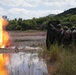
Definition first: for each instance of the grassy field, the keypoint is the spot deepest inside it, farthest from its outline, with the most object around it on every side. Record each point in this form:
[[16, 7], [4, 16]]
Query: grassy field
[[61, 60]]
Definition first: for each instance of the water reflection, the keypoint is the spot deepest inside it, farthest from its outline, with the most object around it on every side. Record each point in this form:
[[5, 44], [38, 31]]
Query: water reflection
[[26, 64], [4, 58]]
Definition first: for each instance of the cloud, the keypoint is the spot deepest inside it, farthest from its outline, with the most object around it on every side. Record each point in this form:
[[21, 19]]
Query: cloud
[[34, 8], [32, 13], [59, 2], [18, 3], [34, 3], [71, 3], [2, 11], [1, 8]]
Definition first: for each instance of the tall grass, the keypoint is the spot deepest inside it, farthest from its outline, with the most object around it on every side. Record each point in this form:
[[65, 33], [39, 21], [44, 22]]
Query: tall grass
[[63, 59], [67, 64]]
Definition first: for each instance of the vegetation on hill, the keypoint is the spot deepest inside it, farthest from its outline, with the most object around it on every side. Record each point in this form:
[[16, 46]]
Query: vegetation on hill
[[67, 18], [70, 11]]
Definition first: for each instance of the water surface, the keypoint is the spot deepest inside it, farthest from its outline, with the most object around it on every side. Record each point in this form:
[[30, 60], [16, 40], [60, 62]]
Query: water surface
[[22, 63]]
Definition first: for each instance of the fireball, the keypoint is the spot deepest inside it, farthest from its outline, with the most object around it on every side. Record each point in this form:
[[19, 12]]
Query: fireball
[[4, 37], [4, 42]]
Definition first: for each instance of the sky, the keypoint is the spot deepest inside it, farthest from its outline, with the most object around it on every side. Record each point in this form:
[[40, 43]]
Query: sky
[[28, 9]]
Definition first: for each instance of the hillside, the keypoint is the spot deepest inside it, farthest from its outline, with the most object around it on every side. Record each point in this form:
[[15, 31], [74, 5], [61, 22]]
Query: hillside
[[67, 18], [69, 11]]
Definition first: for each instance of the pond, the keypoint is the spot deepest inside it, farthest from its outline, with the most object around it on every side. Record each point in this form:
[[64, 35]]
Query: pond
[[22, 63]]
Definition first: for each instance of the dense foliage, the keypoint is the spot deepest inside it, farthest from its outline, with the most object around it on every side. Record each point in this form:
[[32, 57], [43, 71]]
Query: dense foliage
[[67, 18]]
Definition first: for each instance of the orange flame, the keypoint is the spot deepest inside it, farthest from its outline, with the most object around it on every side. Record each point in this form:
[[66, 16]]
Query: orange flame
[[3, 62], [4, 42], [4, 37]]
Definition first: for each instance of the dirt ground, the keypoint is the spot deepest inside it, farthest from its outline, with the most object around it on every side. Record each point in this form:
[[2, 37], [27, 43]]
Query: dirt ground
[[28, 38]]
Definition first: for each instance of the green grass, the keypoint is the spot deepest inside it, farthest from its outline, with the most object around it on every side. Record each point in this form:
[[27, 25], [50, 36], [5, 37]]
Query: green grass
[[63, 59]]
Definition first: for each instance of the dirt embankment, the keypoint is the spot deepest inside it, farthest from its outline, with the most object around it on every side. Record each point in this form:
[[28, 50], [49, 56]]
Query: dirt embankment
[[31, 38]]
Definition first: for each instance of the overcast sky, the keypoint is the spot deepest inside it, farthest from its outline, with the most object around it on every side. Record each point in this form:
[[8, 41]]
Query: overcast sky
[[33, 8]]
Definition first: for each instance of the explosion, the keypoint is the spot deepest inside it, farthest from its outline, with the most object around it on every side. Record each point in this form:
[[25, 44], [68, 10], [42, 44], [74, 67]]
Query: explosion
[[4, 37], [4, 42]]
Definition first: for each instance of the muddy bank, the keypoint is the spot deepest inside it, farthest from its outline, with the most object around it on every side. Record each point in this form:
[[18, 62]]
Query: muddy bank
[[16, 49], [36, 38]]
